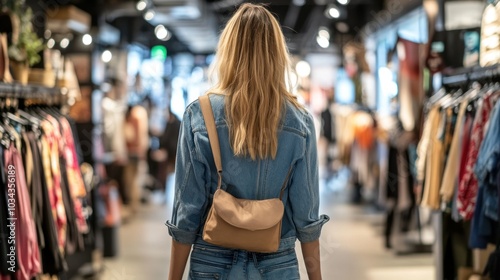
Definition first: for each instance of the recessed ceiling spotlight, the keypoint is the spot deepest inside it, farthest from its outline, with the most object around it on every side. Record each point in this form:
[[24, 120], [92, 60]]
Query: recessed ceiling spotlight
[[162, 33], [323, 42], [343, 2], [47, 34], [64, 43], [87, 39], [324, 32], [149, 15], [51, 43], [106, 56], [141, 5], [332, 11]]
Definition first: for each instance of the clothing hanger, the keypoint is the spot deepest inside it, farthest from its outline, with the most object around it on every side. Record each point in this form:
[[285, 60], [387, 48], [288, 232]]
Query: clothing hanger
[[28, 117], [436, 97]]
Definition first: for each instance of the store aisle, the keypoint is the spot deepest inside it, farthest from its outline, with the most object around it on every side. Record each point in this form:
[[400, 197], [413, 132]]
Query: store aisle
[[352, 246]]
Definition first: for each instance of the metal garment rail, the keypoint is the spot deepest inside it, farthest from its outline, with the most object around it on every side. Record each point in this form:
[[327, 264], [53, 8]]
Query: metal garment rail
[[19, 91], [468, 75]]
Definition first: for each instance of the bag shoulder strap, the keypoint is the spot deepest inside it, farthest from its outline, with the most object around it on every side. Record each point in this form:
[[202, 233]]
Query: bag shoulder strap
[[213, 137]]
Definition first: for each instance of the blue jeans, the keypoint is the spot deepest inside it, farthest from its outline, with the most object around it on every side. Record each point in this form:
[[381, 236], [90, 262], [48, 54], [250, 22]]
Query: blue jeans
[[212, 262]]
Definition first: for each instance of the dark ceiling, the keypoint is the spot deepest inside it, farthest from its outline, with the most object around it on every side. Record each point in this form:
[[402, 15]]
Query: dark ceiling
[[300, 23]]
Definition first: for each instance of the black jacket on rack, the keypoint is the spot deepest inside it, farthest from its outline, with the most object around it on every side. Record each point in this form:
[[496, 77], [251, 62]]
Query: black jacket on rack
[[53, 261]]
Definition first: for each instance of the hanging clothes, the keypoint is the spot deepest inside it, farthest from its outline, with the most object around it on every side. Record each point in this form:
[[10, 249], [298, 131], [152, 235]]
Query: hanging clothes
[[4, 230], [450, 175], [26, 237], [53, 260], [468, 187], [487, 170], [50, 157]]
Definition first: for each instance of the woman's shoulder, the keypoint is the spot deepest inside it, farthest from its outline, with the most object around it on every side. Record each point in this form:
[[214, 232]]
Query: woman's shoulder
[[298, 119], [195, 116]]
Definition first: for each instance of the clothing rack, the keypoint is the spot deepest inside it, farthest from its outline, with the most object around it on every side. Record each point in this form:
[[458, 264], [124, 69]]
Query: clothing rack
[[459, 78], [38, 95], [467, 75], [16, 90], [35, 94]]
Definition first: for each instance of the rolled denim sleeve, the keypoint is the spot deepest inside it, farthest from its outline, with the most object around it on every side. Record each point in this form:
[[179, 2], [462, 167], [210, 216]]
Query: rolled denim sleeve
[[304, 191], [190, 199]]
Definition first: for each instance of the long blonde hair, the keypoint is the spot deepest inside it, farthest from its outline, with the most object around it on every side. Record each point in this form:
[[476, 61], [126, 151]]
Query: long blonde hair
[[251, 65]]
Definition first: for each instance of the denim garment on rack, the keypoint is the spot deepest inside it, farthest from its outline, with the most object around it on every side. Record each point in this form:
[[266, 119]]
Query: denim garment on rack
[[488, 164], [489, 153], [487, 170], [196, 175], [212, 262]]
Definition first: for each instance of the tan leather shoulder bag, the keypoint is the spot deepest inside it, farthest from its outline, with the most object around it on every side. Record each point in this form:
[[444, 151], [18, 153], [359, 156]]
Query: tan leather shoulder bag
[[243, 224]]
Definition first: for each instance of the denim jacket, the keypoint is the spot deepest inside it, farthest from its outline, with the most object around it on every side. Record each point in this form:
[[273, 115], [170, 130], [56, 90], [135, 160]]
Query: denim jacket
[[196, 175]]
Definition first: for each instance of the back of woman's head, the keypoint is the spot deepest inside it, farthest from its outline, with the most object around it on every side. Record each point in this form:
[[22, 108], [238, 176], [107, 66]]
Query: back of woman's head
[[251, 66]]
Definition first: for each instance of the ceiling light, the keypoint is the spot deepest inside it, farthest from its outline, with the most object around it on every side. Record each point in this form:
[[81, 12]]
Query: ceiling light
[[323, 32], [343, 2], [106, 56], [87, 39], [149, 15], [47, 34], [51, 43], [64, 43], [162, 33], [334, 12], [323, 42], [303, 69], [141, 5]]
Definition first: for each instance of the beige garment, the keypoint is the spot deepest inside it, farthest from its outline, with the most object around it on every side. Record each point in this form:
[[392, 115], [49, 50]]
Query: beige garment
[[450, 175], [423, 145], [433, 160], [130, 173]]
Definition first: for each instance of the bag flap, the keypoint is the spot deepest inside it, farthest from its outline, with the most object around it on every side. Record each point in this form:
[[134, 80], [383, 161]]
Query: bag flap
[[248, 214]]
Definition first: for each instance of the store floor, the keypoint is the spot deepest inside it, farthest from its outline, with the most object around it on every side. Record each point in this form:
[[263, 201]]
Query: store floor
[[351, 246]]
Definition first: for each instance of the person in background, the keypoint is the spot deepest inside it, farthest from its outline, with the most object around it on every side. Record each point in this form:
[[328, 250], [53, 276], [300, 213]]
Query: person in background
[[113, 111], [264, 135], [329, 132], [137, 140]]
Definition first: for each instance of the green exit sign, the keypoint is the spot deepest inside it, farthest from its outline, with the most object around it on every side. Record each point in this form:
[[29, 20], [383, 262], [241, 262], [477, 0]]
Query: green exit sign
[[159, 52]]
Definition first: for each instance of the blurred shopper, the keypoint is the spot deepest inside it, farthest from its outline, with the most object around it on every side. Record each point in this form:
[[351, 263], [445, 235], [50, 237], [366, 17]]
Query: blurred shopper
[[329, 133], [264, 134], [114, 109], [168, 146], [137, 140]]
